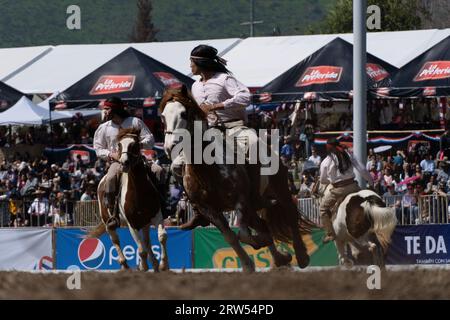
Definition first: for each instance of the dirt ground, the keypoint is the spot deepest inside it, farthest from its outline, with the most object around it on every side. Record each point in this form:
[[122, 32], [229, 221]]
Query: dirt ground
[[277, 284]]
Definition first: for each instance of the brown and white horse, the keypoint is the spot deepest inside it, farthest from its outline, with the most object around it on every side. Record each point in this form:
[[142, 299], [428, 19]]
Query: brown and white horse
[[365, 223], [138, 203], [216, 188]]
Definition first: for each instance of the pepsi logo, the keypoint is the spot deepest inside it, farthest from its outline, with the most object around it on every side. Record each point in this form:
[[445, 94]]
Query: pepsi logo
[[45, 263], [91, 253]]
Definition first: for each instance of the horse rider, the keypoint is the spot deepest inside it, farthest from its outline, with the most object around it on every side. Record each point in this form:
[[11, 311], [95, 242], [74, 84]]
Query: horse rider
[[106, 147], [337, 169], [223, 99]]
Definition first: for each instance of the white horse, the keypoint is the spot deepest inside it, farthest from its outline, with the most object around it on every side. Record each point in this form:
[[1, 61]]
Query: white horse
[[362, 220]]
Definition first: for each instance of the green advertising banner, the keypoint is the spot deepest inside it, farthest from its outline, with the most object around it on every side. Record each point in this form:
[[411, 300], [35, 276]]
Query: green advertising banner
[[212, 251]]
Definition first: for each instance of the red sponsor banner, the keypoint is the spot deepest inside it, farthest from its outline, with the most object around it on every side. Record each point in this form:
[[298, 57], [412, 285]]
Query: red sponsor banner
[[383, 91], [433, 70], [113, 84], [310, 96], [376, 72], [168, 79], [429, 91], [149, 102], [148, 154], [319, 74], [84, 155], [265, 97]]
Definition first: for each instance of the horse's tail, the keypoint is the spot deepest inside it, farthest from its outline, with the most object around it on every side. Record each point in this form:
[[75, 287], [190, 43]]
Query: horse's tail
[[383, 218], [97, 231], [282, 216]]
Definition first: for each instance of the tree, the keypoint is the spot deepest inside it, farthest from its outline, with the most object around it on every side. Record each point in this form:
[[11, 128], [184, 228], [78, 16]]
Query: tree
[[144, 30], [395, 15]]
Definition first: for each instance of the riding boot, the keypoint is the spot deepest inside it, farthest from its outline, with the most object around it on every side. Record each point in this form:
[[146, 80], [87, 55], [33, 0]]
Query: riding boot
[[254, 175], [328, 226], [196, 221], [113, 221]]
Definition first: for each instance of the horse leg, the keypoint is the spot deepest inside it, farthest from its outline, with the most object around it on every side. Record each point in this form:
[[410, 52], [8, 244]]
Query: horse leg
[[343, 259], [280, 259], [221, 223], [162, 237], [115, 240], [147, 244], [246, 217], [143, 254]]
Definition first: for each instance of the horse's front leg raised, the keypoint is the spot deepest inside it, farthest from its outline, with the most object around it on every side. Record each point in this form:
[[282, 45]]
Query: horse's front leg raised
[[221, 223]]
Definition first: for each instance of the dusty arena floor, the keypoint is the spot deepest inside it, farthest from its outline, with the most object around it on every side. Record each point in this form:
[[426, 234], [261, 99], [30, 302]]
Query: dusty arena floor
[[277, 284]]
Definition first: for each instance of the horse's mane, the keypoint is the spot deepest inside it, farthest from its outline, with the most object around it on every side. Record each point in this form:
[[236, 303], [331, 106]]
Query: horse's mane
[[183, 96], [130, 131]]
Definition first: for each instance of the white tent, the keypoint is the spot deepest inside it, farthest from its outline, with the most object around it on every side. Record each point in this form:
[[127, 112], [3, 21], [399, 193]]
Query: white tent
[[66, 64], [257, 61], [67, 114], [25, 112], [15, 60]]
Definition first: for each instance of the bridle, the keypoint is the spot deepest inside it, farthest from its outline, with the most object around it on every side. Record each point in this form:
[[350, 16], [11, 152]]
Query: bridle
[[129, 153]]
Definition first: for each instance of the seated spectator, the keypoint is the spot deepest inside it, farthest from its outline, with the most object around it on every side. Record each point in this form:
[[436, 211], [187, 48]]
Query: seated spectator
[[315, 158], [386, 180], [428, 166], [305, 187], [410, 206]]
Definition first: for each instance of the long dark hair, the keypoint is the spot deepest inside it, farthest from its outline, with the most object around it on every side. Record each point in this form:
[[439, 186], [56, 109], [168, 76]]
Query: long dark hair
[[344, 161], [206, 58]]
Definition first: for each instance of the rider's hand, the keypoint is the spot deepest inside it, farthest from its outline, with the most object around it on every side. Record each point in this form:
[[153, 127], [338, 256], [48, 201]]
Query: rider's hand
[[114, 155], [206, 108]]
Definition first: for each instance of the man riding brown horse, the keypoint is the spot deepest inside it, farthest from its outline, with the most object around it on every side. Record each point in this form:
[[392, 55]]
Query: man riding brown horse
[[106, 147]]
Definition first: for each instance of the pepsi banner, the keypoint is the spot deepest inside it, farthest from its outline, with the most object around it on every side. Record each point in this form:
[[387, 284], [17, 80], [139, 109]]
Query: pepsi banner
[[26, 249], [422, 244], [74, 252]]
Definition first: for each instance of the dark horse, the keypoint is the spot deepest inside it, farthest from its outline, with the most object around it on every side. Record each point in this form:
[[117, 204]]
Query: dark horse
[[216, 188], [139, 204]]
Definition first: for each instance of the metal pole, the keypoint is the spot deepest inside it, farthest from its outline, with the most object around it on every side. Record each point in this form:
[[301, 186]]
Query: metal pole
[[359, 85], [252, 8]]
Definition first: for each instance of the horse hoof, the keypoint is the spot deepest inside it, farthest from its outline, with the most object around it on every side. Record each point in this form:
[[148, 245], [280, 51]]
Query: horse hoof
[[347, 263], [248, 268], [163, 267], [283, 259], [303, 261]]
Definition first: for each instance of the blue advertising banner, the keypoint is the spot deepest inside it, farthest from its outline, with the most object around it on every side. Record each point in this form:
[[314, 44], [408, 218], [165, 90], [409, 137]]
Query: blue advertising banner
[[422, 244], [74, 252]]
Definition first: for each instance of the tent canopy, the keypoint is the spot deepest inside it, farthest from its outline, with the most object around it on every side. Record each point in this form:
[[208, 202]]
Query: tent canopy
[[426, 75], [67, 64], [24, 112], [8, 96], [256, 61], [327, 74], [132, 76]]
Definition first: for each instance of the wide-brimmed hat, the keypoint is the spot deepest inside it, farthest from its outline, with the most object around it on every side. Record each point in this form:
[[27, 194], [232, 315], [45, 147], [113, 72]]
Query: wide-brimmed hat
[[39, 192]]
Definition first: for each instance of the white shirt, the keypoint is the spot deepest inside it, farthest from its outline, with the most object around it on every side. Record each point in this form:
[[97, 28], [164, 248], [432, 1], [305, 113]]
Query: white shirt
[[39, 207], [223, 88], [329, 171], [105, 138], [315, 160]]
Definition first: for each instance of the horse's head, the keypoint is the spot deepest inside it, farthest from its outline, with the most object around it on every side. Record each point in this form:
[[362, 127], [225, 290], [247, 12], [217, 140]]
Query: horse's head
[[129, 148], [178, 111]]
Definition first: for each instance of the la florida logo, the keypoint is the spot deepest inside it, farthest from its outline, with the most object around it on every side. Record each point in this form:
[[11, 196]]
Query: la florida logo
[[376, 72], [433, 70], [113, 84], [319, 74]]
